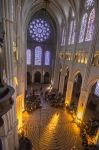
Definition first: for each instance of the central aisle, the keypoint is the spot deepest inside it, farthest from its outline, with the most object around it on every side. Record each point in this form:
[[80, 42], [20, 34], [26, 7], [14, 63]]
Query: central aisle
[[51, 129]]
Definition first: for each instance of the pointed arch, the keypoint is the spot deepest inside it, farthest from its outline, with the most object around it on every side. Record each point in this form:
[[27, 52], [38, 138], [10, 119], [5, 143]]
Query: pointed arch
[[83, 28], [47, 58], [38, 55], [28, 57], [90, 28]]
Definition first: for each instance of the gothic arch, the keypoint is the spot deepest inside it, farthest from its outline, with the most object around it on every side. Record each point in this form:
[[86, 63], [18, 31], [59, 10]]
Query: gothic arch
[[76, 90], [92, 82], [37, 77], [75, 74], [46, 78], [31, 10], [92, 101]]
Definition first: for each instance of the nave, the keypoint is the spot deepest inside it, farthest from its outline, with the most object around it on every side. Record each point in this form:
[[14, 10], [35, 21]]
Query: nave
[[51, 129]]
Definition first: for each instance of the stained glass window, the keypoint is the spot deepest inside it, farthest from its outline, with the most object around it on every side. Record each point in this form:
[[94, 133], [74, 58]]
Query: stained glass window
[[39, 30], [73, 32], [90, 28], [47, 58], [97, 89], [28, 57], [38, 56], [89, 3], [83, 28], [70, 32]]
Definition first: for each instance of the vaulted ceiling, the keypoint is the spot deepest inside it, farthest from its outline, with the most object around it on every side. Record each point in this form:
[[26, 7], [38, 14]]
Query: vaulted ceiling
[[59, 9]]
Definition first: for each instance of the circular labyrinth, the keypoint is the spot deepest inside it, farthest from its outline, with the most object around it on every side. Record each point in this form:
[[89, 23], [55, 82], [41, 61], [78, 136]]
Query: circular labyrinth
[[47, 135]]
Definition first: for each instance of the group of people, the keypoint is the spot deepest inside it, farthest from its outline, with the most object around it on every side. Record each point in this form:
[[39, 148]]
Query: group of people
[[54, 98]]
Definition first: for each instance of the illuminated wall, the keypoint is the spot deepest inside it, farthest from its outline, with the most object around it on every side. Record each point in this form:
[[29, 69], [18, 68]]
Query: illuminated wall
[[19, 102]]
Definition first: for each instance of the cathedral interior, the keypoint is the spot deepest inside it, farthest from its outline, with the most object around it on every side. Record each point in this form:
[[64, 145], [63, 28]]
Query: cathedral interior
[[49, 75]]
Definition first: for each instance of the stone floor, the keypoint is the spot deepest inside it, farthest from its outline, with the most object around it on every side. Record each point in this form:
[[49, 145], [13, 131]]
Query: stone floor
[[51, 129]]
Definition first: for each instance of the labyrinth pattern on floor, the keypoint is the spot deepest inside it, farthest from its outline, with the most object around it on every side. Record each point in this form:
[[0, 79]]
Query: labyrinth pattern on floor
[[51, 129]]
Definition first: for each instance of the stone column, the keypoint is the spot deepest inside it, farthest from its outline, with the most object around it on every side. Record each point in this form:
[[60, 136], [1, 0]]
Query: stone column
[[82, 104], [4, 143], [10, 117], [18, 44], [61, 86], [56, 74], [69, 92]]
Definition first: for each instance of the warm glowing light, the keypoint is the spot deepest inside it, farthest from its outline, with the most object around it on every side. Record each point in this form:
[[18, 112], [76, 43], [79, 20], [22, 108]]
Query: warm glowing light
[[20, 131], [19, 110], [53, 121], [85, 60], [16, 81], [79, 116], [66, 102], [50, 127], [49, 88], [97, 137], [82, 60]]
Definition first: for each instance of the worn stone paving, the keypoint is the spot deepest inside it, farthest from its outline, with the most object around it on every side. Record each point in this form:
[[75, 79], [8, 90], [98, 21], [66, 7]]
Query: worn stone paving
[[51, 129]]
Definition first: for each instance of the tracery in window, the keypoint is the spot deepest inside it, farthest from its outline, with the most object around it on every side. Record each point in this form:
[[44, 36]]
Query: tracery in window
[[97, 89], [83, 28], [28, 57], [39, 30], [70, 32], [89, 3], [47, 58], [38, 56], [73, 32], [90, 28]]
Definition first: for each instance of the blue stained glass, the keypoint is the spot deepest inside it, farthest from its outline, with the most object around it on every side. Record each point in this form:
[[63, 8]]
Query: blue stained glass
[[28, 57], [38, 55], [89, 3], [83, 28], [90, 28], [47, 58], [97, 89], [40, 29]]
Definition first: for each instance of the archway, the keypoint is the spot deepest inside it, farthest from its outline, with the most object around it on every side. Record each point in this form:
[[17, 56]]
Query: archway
[[46, 78], [37, 77], [91, 115], [29, 80], [76, 91], [92, 108], [65, 83]]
